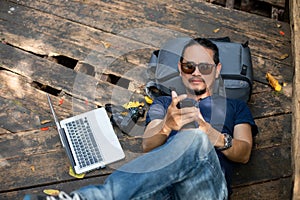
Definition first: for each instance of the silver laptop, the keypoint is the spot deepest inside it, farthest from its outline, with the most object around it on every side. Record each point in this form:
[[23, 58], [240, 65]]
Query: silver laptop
[[89, 139]]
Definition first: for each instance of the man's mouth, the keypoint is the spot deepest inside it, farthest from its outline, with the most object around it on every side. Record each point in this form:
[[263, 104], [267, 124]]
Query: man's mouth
[[196, 81]]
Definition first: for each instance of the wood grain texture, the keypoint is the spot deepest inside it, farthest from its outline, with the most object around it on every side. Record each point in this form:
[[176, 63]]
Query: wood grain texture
[[295, 26]]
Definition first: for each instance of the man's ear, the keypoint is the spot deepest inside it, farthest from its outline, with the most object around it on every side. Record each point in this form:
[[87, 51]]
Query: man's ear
[[218, 70]]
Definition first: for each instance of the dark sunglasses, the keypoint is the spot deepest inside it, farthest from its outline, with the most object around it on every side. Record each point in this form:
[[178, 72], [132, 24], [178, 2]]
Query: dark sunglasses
[[190, 67]]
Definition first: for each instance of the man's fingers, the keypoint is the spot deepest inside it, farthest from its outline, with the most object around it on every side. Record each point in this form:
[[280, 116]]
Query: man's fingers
[[176, 99], [181, 97], [188, 110], [174, 94]]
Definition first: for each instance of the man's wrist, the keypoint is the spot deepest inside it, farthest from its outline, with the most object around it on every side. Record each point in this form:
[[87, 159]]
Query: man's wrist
[[204, 126], [220, 140], [166, 130], [227, 142]]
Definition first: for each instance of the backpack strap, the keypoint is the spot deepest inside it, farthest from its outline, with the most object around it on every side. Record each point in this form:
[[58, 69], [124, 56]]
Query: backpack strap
[[154, 90]]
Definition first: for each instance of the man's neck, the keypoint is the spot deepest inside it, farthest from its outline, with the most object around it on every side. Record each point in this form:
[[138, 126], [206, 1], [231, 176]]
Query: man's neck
[[198, 97]]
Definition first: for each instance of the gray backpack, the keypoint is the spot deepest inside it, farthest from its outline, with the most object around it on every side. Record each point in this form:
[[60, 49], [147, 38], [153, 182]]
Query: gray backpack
[[236, 75]]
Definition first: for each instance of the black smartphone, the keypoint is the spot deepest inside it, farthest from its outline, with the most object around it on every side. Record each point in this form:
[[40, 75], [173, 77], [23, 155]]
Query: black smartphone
[[187, 102]]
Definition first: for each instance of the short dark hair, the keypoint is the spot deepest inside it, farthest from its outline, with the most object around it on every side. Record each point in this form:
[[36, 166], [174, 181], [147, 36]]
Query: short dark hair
[[206, 43]]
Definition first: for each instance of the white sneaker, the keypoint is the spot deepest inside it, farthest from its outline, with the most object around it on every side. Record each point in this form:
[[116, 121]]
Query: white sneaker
[[61, 196]]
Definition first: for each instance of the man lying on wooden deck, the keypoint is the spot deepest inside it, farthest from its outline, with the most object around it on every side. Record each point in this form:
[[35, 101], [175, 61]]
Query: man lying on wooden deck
[[184, 163]]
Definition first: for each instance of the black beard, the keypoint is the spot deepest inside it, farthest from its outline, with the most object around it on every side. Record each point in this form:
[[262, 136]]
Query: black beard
[[196, 92]]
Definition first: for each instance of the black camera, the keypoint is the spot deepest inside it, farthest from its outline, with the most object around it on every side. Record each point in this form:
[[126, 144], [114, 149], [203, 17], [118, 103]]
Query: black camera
[[125, 119]]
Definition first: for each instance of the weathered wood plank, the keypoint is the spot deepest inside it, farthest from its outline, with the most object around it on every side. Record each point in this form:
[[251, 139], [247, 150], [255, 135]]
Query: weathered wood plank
[[269, 103], [183, 20], [165, 14], [278, 3], [4, 131], [273, 131], [65, 186], [61, 78], [168, 12], [39, 157], [19, 96], [17, 117], [105, 62], [283, 72], [275, 189], [68, 80], [114, 23], [67, 31], [27, 154], [264, 165], [101, 63], [87, 45], [28, 145], [131, 64], [68, 41], [25, 106], [295, 27], [36, 169], [260, 87], [157, 11], [122, 67]]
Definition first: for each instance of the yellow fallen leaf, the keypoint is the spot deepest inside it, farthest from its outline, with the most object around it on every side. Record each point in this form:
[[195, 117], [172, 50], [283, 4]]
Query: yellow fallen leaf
[[45, 121], [273, 82], [284, 56], [72, 173], [106, 44], [51, 192], [216, 30], [133, 104], [148, 100]]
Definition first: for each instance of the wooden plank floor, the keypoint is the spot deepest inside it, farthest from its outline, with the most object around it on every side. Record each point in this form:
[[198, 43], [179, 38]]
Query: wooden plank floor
[[89, 53]]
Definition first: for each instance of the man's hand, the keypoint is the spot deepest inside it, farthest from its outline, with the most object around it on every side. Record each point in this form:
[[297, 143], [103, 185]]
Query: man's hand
[[176, 118]]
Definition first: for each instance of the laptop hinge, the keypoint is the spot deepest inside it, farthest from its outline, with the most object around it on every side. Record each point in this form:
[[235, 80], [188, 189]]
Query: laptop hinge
[[67, 146]]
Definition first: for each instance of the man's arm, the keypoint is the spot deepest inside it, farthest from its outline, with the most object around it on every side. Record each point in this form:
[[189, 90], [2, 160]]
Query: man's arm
[[241, 142], [155, 135]]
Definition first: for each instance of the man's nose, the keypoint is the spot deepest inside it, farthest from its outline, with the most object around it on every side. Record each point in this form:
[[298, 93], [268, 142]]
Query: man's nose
[[196, 72]]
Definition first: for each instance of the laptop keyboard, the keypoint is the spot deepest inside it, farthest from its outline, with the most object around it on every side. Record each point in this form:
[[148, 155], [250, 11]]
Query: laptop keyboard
[[84, 142]]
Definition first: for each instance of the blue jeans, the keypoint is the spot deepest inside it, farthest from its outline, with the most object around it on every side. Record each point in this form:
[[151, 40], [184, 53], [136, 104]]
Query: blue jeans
[[186, 167]]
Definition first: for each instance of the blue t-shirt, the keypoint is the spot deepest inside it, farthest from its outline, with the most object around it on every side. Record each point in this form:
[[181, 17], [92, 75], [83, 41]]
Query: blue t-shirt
[[222, 113]]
